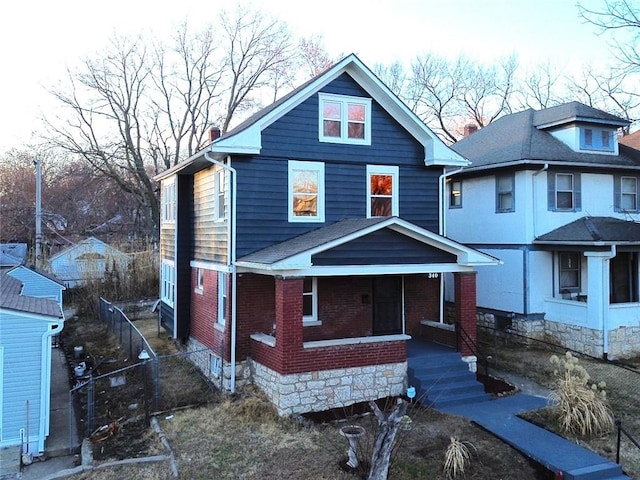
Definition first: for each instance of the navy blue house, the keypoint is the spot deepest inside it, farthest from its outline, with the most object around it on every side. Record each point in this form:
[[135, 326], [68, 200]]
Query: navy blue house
[[302, 247]]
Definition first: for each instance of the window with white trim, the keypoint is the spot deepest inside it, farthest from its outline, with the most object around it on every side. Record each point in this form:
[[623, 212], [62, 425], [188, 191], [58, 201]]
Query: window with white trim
[[626, 193], [222, 298], [344, 119], [564, 192], [382, 191], [455, 194], [199, 280], [168, 282], [306, 191], [504, 193], [220, 193], [310, 300], [169, 200], [569, 272]]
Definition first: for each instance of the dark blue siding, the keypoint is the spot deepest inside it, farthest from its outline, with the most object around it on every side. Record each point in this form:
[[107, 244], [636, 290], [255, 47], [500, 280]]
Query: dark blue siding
[[262, 218], [384, 247], [184, 254]]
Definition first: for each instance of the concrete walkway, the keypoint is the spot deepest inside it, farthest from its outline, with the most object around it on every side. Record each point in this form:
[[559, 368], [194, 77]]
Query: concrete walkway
[[500, 417]]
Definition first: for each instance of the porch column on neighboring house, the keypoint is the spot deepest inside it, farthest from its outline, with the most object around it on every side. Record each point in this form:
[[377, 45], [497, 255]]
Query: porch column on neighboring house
[[289, 294], [465, 308], [598, 294]]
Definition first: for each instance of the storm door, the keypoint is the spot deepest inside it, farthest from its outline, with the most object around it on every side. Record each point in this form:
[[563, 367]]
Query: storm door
[[387, 305], [623, 276]]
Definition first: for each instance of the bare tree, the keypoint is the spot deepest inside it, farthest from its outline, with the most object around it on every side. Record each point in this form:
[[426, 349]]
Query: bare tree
[[540, 87], [141, 107]]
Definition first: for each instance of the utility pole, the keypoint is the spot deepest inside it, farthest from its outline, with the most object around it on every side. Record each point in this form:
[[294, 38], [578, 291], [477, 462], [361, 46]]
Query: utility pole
[[38, 163]]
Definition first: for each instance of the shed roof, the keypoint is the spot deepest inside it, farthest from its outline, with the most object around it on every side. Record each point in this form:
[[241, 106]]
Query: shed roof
[[11, 299], [594, 231]]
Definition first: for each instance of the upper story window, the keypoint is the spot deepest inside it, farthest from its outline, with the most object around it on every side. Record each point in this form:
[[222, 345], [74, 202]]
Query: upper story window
[[306, 191], [344, 119], [382, 191], [168, 273], [564, 191], [597, 139], [220, 186], [169, 200], [625, 193], [455, 194], [505, 187]]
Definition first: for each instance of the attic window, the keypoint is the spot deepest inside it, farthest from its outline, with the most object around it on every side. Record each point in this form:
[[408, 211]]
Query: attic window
[[344, 119], [597, 139]]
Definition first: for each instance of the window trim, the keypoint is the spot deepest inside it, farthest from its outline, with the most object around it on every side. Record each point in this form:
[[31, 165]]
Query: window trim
[[222, 298], [169, 200], [168, 281], [552, 192], [199, 289], [220, 192], [575, 288], [312, 320], [452, 196], [512, 180], [310, 166], [593, 139], [344, 100], [394, 172], [619, 194]]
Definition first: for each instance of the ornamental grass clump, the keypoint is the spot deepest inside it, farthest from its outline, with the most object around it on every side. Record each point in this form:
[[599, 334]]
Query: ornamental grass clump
[[456, 458], [582, 407]]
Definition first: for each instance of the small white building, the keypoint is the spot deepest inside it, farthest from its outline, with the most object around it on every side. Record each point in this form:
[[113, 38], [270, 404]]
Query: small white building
[[27, 325], [87, 260], [554, 195]]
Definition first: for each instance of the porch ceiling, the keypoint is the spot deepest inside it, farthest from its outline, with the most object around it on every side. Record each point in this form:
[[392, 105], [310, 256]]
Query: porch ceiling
[[365, 246]]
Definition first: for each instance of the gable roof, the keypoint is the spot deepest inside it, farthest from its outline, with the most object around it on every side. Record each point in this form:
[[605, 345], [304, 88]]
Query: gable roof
[[246, 138], [88, 245], [594, 231], [12, 254], [521, 139], [11, 299], [33, 271], [296, 253]]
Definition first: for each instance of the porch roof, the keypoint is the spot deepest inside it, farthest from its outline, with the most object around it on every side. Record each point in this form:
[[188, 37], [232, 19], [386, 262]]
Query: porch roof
[[295, 256], [595, 231]]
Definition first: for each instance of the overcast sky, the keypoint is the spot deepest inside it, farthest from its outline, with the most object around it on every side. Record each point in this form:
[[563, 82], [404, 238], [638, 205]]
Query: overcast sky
[[39, 38]]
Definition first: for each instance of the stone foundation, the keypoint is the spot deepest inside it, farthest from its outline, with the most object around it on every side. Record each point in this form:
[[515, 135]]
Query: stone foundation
[[624, 342], [322, 390], [201, 357]]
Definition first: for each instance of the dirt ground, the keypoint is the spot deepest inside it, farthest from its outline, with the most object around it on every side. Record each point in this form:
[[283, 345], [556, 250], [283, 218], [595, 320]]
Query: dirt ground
[[217, 436]]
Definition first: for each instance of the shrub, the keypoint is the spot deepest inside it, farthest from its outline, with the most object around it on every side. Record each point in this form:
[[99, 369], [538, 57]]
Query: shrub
[[456, 458], [582, 407]]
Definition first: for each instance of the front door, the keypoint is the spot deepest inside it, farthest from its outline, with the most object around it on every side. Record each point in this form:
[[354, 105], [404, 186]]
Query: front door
[[387, 305]]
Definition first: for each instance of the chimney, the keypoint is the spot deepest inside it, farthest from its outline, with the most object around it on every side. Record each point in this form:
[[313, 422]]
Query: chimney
[[470, 128], [214, 134]]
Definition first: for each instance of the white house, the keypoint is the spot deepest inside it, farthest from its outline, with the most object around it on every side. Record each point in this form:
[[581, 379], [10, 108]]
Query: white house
[[38, 284], [554, 195], [27, 325], [87, 260]]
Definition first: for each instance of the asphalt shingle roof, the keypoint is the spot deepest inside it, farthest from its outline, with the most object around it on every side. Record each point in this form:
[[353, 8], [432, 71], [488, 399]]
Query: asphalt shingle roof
[[516, 139], [11, 299], [307, 241], [595, 229]]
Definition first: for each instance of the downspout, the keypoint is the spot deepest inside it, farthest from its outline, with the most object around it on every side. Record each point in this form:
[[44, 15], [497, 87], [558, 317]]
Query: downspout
[[606, 303], [442, 229], [231, 260], [45, 383]]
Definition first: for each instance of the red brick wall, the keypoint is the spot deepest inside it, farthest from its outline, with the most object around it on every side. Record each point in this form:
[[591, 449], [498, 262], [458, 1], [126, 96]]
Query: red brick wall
[[255, 310], [422, 301], [204, 313]]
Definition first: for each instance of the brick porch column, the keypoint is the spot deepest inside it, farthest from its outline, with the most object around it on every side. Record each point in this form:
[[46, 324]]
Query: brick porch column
[[289, 292], [465, 308]]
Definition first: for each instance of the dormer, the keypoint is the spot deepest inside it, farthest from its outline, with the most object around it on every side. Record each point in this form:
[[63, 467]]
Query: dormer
[[582, 128]]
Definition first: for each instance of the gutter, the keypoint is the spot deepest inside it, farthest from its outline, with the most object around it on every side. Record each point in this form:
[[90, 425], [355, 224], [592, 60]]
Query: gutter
[[231, 260], [442, 229]]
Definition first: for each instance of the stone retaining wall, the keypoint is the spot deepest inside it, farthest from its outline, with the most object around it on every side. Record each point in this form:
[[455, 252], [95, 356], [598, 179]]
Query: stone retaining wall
[[325, 389], [624, 342]]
